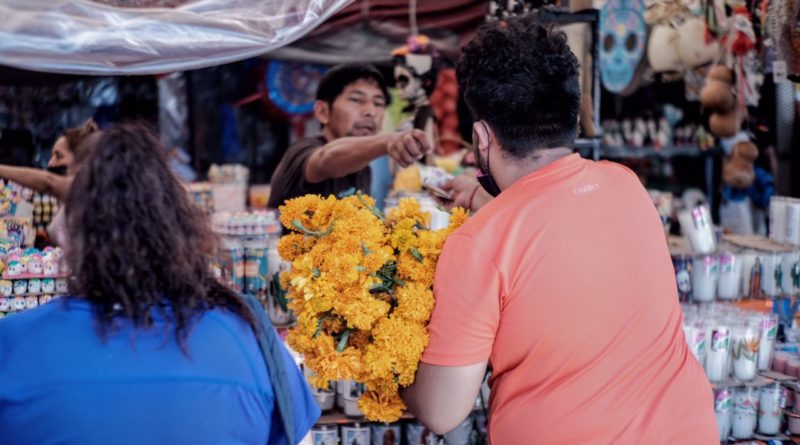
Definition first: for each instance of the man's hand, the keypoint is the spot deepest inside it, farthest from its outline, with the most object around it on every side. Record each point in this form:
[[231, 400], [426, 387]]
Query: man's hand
[[467, 193], [408, 147]]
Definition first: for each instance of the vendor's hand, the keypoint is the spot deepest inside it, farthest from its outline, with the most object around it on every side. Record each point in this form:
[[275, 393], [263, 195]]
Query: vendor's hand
[[466, 193], [408, 147]]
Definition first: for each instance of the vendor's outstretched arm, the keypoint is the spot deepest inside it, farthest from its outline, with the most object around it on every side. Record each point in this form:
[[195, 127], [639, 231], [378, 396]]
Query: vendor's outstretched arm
[[441, 397], [38, 180], [347, 155]]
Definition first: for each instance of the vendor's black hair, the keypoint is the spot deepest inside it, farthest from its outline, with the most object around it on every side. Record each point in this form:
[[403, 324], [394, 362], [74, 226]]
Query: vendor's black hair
[[522, 79], [339, 77]]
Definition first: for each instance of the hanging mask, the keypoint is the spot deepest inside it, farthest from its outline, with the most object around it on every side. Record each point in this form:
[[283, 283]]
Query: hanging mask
[[623, 35]]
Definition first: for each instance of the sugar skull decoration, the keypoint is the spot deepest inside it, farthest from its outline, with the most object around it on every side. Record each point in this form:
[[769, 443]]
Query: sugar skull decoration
[[34, 286], [14, 268], [19, 304], [6, 288], [50, 266], [48, 286], [35, 265], [20, 287], [31, 302], [5, 304], [61, 286], [44, 299], [415, 74], [623, 35]]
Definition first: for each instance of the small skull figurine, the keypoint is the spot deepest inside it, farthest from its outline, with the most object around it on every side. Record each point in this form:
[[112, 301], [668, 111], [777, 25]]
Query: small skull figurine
[[50, 266], [44, 299], [5, 304], [20, 287], [35, 265], [6, 288], [19, 304], [61, 286], [31, 302], [34, 286], [48, 285], [14, 268]]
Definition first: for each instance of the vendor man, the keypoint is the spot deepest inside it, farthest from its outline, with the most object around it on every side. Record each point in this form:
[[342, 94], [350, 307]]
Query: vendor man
[[351, 100]]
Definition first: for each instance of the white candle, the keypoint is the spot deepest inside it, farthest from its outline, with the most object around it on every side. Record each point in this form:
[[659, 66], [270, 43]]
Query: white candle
[[769, 409], [730, 276], [748, 261], [771, 268], [722, 409], [744, 349], [717, 358], [745, 412], [768, 333], [705, 274]]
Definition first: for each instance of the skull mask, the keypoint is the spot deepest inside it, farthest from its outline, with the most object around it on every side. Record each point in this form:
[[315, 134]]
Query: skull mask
[[623, 36]]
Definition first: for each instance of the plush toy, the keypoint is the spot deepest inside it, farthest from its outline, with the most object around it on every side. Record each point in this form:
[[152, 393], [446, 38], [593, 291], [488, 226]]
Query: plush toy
[[738, 168]]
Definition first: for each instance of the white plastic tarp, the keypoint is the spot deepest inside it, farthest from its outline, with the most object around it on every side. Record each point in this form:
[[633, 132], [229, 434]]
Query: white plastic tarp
[[149, 36]]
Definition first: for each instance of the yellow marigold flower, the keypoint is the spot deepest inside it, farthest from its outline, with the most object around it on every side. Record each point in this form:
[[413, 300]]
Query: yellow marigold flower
[[293, 245], [415, 302], [458, 216], [381, 407], [329, 364], [378, 364], [300, 209], [408, 208], [405, 340]]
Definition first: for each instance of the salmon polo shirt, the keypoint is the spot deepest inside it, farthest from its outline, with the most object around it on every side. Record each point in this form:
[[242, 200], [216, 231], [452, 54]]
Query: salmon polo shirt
[[564, 283]]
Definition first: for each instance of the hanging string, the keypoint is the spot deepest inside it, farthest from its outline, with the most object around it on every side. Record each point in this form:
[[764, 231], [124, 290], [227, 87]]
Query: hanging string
[[364, 9], [412, 17]]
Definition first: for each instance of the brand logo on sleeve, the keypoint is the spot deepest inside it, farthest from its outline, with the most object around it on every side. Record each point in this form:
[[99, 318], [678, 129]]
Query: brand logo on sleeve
[[588, 188]]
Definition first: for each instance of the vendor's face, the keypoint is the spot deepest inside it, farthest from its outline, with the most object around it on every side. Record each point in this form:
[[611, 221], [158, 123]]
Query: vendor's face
[[61, 155], [358, 111]]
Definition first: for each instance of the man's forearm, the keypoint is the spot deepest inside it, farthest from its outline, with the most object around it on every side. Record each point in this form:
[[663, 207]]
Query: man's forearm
[[344, 156]]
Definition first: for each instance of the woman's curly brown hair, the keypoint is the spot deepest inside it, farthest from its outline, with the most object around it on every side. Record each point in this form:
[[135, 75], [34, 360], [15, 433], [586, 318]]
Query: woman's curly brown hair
[[136, 242]]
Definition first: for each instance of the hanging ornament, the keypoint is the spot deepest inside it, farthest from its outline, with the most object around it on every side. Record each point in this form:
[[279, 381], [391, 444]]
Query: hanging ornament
[[292, 86], [623, 35]]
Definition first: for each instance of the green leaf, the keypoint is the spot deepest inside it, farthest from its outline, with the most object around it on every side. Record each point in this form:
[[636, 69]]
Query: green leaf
[[375, 211], [279, 292], [415, 253], [361, 269], [343, 341], [365, 249], [315, 272], [297, 224]]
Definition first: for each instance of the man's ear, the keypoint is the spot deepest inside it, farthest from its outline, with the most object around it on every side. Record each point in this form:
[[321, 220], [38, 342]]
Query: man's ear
[[322, 112]]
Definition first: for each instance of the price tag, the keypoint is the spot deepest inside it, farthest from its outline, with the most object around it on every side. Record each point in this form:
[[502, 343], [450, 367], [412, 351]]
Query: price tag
[[780, 72]]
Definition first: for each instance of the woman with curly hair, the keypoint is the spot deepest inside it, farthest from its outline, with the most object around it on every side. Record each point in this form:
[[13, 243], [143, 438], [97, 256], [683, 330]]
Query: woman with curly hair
[[150, 348]]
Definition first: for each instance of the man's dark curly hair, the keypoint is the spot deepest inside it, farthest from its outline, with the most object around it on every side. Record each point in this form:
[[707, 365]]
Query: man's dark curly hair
[[522, 79], [136, 244]]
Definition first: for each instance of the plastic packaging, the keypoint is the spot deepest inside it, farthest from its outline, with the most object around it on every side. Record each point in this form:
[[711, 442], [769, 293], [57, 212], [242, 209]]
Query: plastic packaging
[[150, 36]]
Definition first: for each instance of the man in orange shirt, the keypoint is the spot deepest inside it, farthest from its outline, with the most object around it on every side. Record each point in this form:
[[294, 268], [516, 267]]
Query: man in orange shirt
[[563, 282]]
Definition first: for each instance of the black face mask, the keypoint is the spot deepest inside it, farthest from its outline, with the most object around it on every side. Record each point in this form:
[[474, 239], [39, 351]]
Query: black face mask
[[61, 170], [485, 178]]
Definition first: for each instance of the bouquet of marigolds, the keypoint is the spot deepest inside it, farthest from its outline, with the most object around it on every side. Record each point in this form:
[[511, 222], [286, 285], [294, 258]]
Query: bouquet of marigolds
[[361, 286]]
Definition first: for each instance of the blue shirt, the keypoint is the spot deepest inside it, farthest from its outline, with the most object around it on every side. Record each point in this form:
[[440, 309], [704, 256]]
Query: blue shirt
[[61, 383]]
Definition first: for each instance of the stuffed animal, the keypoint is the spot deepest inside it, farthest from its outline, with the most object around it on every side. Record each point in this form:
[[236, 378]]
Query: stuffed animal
[[738, 168]]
